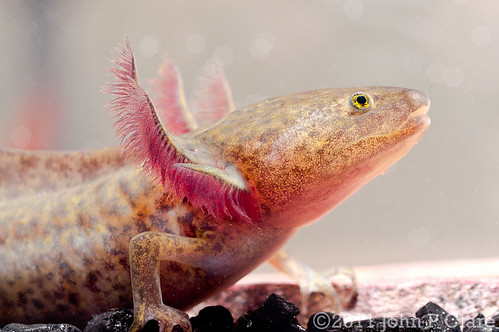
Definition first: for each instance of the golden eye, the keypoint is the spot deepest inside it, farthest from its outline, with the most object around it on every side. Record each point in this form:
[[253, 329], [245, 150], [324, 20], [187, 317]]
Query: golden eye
[[360, 101]]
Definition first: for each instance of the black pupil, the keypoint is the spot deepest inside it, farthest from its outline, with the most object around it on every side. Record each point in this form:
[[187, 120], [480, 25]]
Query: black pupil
[[362, 100]]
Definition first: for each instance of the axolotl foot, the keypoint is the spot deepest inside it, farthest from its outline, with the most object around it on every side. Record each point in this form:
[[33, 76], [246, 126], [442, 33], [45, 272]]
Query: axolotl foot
[[168, 318], [316, 288], [319, 294]]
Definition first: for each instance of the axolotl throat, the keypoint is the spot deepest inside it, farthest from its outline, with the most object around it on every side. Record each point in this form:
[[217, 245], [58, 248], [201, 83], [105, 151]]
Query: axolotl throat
[[215, 194]]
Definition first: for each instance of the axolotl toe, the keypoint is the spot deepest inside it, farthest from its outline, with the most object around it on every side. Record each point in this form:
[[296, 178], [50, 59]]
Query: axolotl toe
[[212, 194]]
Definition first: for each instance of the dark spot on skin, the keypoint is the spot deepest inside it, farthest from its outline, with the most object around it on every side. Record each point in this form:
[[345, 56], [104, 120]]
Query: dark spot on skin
[[64, 170], [8, 303], [49, 163], [125, 299], [301, 149], [49, 276], [85, 261], [164, 202], [82, 220], [270, 132], [59, 293], [73, 299], [67, 271], [88, 169], [119, 287], [125, 192], [140, 224], [108, 266], [113, 229], [186, 218], [21, 299], [62, 308], [94, 163], [27, 162], [37, 304], [126, 228], [113, 252], [39, 282], [217, 247], [91, 281], [174, 267], [156, 222], [124, 262]]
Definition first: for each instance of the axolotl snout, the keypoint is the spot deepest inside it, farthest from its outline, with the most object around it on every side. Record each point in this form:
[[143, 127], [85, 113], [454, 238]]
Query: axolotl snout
[[83, 232]]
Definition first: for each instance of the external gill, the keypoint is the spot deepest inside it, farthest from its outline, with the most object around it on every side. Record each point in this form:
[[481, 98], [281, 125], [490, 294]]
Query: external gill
[[184, 170], [138, 126]]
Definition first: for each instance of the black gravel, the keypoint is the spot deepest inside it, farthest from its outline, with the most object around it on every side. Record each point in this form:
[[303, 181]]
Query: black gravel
[[116, 320], [216, 318], [40, 328], [277, 315]]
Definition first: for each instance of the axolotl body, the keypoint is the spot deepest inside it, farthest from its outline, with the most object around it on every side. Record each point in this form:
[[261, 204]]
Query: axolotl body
[[83, 232]]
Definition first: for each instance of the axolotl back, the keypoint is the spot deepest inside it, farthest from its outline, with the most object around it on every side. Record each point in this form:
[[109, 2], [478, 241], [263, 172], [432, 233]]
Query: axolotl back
[[83, 232]]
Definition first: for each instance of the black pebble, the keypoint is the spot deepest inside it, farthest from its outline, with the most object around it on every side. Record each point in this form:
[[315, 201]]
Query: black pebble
[[15, 327], [274, 315], [496, 320], [215, 318], [114, 320], [435, 318]]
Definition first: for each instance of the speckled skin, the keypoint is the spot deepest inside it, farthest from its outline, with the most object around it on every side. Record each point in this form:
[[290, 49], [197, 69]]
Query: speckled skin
[[64, 250], [67, 220]]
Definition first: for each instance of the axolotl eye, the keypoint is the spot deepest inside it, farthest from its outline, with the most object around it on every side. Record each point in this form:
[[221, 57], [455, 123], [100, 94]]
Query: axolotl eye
[[361, 102]]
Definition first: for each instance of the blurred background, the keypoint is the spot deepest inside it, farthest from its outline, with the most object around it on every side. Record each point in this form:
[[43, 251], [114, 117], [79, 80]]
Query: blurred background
[[440, 202]]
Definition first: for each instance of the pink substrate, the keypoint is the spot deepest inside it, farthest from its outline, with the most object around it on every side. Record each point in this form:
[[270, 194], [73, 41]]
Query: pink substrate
[[462, 288]]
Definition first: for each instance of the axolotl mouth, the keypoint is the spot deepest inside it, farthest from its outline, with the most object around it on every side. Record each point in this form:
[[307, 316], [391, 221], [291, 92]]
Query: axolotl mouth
[[420, 118], [417, 122]]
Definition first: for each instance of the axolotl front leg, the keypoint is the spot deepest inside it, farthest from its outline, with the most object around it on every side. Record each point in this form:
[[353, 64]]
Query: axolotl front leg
[[214, 261], [147, 250]]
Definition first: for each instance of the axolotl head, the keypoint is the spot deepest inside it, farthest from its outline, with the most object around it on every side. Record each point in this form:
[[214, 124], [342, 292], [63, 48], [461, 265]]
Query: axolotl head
[[285, 161], [301, 155]]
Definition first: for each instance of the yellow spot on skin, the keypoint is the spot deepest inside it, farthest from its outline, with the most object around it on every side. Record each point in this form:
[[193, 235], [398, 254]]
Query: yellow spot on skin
[[101, 228]]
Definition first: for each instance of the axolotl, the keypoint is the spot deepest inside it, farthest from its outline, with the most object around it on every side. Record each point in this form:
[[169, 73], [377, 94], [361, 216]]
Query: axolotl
[[203, 204]]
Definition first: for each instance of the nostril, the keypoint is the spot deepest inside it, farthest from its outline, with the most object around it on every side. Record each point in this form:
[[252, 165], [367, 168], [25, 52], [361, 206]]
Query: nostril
[[420, 101], [419, 97], [416, 95]]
